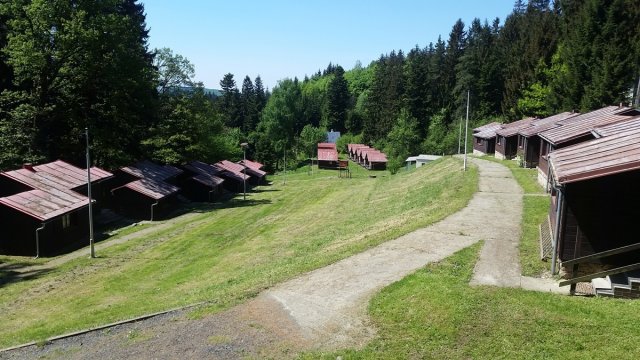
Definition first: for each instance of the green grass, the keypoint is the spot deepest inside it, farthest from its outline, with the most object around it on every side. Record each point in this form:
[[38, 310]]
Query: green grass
[[435, 314], [535, 210], [527, 178], [232, 252]]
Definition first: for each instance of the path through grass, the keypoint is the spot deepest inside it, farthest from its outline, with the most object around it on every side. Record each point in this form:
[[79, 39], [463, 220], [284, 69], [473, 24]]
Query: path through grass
[[535, 209], [435, 314], [233, 252]]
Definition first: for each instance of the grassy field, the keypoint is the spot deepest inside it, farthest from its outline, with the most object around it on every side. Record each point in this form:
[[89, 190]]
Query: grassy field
[[232, 251], [535, 209], [435, 314]]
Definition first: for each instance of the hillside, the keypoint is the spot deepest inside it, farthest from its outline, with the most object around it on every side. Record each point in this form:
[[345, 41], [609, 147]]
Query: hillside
[[234, 250]]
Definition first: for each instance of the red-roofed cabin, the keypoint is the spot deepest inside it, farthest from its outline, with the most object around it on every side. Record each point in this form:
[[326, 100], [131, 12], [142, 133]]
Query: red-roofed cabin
[[595, 197], [375, 160], [42, 211], [146, 190], [253, 169], [202, 182], [529, 141], [232, 173], [327, 156]]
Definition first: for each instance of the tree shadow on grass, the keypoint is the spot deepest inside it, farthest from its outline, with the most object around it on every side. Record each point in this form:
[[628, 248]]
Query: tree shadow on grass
[[13, 272]]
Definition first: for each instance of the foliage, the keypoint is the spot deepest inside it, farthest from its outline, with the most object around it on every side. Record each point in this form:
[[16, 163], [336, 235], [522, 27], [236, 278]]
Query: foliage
[[309, 138], [441, 138], [403, 141], [174, 71], [346, 139]]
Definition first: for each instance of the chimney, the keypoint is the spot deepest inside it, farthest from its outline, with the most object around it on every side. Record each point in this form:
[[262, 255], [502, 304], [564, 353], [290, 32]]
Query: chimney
[[28, 166]]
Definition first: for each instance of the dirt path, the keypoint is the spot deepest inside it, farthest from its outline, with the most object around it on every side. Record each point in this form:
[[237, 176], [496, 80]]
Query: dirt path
[[326, 308]]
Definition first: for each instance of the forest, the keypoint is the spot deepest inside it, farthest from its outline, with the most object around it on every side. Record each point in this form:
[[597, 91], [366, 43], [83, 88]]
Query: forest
[[70, 65]]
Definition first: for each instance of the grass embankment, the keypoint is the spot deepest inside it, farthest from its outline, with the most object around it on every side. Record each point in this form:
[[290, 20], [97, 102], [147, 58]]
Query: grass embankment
[[535, 209], [236, 250], [435, 314]]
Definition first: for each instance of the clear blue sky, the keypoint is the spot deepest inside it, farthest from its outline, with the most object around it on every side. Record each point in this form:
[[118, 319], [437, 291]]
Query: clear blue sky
[[285, 38]]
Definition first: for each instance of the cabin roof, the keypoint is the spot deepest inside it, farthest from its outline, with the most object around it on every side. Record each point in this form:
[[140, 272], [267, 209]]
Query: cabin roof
[[327, 155], [146, 169], [512, 128], [490, 126], [251, 164], [609, 155], [547, 123], [151, 188], [582, 124], [45, 205]]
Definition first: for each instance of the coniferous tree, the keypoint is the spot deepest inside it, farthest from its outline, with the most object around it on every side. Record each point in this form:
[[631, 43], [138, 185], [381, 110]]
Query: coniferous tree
[[249, 110], [230, 102], [337, 100]]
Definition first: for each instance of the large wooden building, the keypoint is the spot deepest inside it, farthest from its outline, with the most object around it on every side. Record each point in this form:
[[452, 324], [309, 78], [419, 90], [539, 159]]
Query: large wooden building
[[595, 199], [43, 208]]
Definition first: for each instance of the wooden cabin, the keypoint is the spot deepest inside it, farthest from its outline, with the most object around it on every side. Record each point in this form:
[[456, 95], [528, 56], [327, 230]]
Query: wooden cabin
[[327, 156], [201, 182], [576, 130], [484, 139], [507, 141], [146, 190], [42, 209], [235, 179], [529, 141], [352, 149], [594, 206], [254, 169], [375, 160]]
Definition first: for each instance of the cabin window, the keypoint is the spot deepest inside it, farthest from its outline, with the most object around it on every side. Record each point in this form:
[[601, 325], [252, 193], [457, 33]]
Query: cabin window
[[478, 141], [66, 221], [499, 141], [545, 149], [520, 141]]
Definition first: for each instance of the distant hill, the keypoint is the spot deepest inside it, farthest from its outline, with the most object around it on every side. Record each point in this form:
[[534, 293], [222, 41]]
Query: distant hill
[[208, 92]]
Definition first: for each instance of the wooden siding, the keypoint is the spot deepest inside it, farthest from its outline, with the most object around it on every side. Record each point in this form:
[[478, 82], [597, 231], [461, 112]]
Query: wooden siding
[[601, 214]]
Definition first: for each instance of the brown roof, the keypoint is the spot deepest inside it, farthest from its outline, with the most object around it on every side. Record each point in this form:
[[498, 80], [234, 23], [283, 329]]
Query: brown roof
[[512, 129], [151, 188], [486, 134], [251, 164], [45, 205], [148, 170], [52, 193], [232, 170], [490, 126], [595, 158], [575, 129], [206, 174], [617, 128], [547, 123]]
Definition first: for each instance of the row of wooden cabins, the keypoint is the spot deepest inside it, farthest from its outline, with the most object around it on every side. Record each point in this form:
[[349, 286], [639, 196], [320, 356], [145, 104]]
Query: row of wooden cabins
[[590, 163], [367, 157], [43, 208]]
